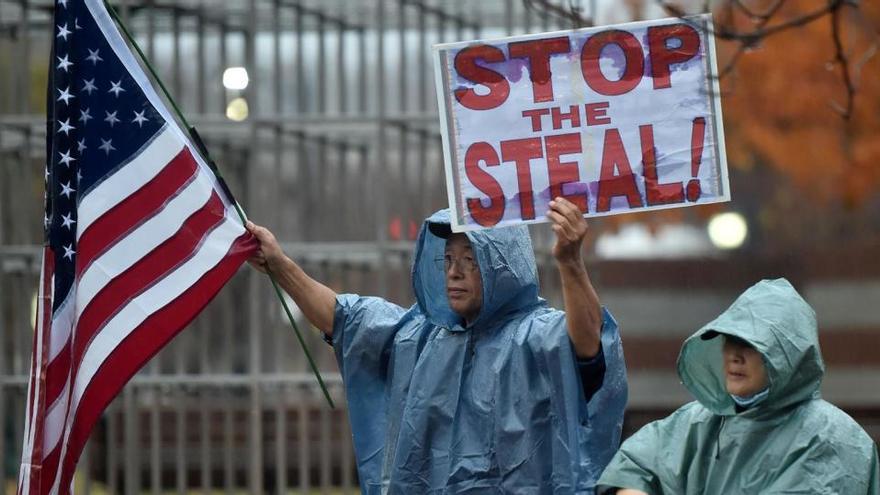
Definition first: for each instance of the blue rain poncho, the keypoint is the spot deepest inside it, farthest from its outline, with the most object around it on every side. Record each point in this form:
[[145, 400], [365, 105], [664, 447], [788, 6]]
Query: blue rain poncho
[[790, 442], [497, 407]]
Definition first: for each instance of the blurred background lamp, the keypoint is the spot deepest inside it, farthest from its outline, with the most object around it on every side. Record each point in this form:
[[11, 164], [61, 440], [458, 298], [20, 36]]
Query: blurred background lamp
[[237, 110], [728, 230], [235, 78]]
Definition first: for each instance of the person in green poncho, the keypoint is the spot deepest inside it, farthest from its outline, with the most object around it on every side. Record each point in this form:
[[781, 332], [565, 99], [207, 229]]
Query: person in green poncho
[[759, 425]]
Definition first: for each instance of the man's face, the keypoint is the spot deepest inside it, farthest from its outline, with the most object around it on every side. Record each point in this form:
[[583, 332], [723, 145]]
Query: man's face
[[464, 287], [744, 370]]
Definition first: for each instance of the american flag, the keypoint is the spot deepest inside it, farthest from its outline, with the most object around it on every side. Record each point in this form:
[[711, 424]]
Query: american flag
[[139, 237]]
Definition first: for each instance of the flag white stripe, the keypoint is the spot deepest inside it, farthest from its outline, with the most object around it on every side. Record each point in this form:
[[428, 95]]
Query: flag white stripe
[[128, 179], [209, 254], [62, 324], [54, 426], [146, 237]]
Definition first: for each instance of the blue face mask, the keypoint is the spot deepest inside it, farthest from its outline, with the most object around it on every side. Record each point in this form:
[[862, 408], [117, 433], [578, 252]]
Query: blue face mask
[[747, 402]]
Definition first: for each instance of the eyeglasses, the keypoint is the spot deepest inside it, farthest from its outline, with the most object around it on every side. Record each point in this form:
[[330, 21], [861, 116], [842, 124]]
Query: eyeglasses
[[466, 264]]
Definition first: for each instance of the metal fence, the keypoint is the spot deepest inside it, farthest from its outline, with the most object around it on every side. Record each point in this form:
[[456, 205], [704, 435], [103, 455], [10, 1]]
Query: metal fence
[[339, 154]]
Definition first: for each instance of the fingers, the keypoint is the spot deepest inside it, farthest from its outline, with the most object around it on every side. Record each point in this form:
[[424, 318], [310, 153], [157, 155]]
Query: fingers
[[567, 209], [567, 216], [562, 226], [260, 265], [261, 233], [269, 254]]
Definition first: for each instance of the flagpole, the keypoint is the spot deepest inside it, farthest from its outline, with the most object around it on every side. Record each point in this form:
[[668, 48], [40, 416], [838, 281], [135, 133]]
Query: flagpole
[[203, 151]]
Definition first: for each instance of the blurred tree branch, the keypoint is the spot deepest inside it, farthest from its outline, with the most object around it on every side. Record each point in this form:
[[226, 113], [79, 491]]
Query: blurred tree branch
[[760, 18], [747, 39]]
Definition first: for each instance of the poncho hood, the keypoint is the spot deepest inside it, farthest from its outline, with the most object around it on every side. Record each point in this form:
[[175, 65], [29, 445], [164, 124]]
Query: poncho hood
[[775, 320], [507, 267]]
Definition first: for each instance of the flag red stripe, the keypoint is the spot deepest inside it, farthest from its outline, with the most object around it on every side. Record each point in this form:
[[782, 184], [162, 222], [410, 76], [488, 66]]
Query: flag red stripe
[[142, 344], [145, 272], [134, 209], [49, 469], [57, 374]]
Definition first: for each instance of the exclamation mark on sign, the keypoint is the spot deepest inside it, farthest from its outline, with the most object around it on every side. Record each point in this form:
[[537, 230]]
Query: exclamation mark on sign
[[693, 187]]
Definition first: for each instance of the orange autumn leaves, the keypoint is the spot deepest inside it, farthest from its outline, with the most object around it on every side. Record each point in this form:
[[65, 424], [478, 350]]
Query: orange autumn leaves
[[779, 103]]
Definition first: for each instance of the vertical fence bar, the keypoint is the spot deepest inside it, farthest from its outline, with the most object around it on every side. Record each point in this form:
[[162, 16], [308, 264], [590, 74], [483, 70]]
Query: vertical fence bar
[[130, 441], [22, 93], [423, 58], [362, 70], [345, 210], [381, 153], [279, 330], [205, 418], [304, 441], [300, 64], [277, 96], [155, 437], [177, 79], [5, 391], [347, 453], [206, 405], [151, 30], [324, 232], [341, 78], [85, 466], [224, 53], [180, 439], [112, 443], [321, 63], [401, 70], [326, 443], [202, 90], [228, 439], [403, 155]]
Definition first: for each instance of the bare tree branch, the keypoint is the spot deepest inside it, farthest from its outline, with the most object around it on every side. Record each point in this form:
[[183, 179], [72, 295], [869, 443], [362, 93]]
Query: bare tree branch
[[572, 13], [841, 59]]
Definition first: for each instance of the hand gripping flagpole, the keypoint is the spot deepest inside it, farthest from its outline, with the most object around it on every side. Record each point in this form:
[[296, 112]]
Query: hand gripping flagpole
[[203, 150]]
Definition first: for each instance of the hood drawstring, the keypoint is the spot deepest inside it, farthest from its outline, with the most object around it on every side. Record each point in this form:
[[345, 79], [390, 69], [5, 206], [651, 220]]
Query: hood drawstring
[[718, 439]]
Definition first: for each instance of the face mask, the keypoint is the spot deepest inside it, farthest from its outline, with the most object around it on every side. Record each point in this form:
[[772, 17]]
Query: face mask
[[747, 402]]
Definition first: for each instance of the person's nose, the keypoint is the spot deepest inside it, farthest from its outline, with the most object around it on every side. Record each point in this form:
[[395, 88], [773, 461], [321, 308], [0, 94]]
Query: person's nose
[[733, 356], [454, 271]]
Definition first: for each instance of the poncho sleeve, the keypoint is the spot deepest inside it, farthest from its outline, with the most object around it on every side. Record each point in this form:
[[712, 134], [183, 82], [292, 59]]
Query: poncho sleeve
[[363, 332], [363, 336], [592, 426], [633, 466]]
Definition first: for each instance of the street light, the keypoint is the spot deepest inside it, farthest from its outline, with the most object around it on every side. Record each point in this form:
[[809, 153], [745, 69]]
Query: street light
[[728, 230], [235, 78]]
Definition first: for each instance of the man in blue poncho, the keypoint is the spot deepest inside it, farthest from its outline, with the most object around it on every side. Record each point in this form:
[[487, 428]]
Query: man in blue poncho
[[479, 387]]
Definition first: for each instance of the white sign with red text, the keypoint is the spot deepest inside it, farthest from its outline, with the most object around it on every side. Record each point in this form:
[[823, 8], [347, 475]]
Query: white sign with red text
[[615, 119]]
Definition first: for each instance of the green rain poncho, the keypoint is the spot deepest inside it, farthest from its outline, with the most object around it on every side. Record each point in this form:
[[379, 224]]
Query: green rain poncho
[[792, 442]]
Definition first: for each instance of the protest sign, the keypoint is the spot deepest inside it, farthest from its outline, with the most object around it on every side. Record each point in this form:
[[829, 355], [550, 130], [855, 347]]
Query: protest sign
[[615, 119]]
